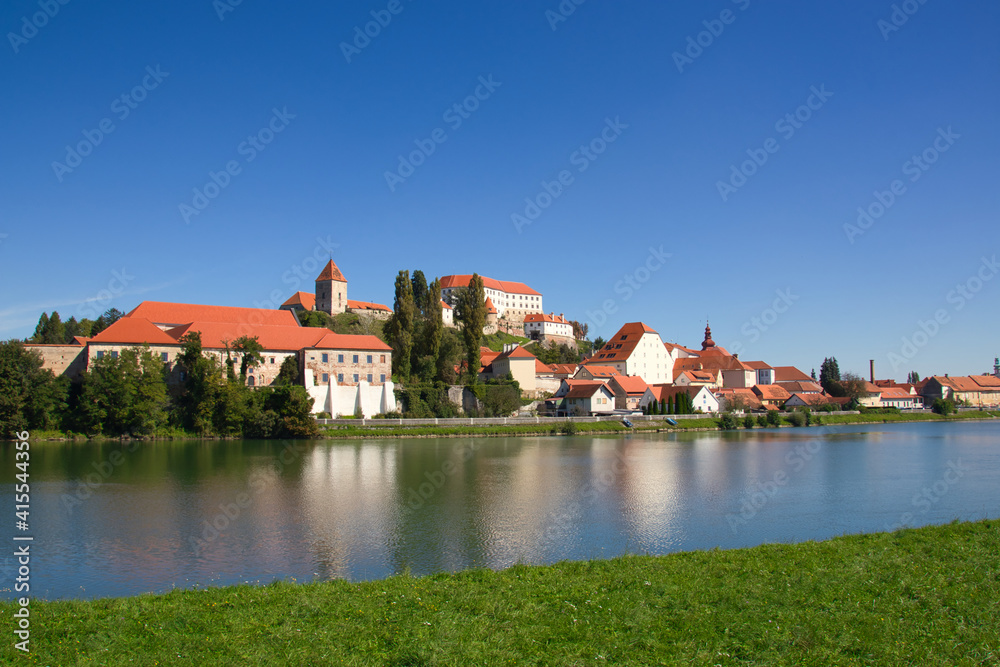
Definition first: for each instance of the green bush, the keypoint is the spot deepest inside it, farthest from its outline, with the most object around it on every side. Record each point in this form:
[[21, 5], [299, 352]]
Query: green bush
[[762, 420], [727, 422], [773, 418], [943, 407], [748, 421], [797, 419]]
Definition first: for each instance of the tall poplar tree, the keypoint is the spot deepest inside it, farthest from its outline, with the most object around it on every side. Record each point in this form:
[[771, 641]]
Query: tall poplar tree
[[399, 327], [470, 310]]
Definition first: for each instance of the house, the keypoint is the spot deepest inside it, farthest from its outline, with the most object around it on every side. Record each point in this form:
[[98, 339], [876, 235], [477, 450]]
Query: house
[[324, 359], [519, 363], [701, 397], [636, 349], [798, 387], [976, 390], [564, 371], [546, 381], [585, 397], [727, 369], [628, 391], [331, 297], [511, 300], [807, 400], [790, 374], [765, 373], [595, 372], [871, 396], [539, 326], [699, 378], [897, 397], [737, 399], [447, 314], [771, 395]]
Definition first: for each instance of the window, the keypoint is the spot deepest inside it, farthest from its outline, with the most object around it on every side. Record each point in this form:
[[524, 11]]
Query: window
[[355, 358], [369, 358], [183, 376], [326, 377], [114, 354], [340, 358], [355, 377], [382, 380], [250, 381], [100, 354], [382, 360], [164, 357], [326, 357], [369, 378], [340, 377], [272, 360]]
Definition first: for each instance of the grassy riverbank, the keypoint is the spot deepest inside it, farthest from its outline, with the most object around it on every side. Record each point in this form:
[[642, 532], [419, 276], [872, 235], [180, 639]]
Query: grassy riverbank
[[928, 596]]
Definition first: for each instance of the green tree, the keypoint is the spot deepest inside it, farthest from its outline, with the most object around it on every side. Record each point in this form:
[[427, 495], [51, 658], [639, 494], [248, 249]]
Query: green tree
[[420, 291], [599, 343], [913, 377], [248, 349], [829, 376], [40, 329], [55, 334], [124, 395], [30, 396], [428, 345], [470, 311], [853, 386], [288, 374], [399, 327]]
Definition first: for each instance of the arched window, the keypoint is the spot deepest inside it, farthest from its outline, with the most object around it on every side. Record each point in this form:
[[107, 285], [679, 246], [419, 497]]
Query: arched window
[[251, 380]]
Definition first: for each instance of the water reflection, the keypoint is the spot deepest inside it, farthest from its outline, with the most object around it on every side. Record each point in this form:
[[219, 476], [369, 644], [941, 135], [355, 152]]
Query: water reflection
[[117, 520]]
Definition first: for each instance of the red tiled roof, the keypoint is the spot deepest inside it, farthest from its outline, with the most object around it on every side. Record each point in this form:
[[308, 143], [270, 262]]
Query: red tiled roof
[[813, 399], [564, 369], [663, 391], [331, 272], [215, 335], [695, 376], [134, 331], [802, 387], [790, 374], [542, 317], [489, 283], [710, 363], [306, 300], [771, 392], [757, 365], [630, 384], [516, 353], [490, 308], [445, 306], [895, 392], [173, 314], [367, 305], [543, 369], [583, 389], [336, 341], [749, 398], [601, 371], [986, 381], [620, 346]]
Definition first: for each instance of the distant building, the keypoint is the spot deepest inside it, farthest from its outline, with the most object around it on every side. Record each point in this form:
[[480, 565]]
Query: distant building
[[637, 349], [539, 326], [511, 300], [331, 297]]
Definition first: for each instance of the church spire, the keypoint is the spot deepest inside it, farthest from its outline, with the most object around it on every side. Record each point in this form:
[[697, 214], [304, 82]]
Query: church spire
[[708, 342]]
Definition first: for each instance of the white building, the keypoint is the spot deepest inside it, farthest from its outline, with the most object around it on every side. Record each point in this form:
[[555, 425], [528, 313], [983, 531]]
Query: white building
[[512, 300], [637, 350], [539, 325]]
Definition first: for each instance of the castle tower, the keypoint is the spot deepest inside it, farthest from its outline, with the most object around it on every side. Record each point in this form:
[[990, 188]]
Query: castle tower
[[331, 290]]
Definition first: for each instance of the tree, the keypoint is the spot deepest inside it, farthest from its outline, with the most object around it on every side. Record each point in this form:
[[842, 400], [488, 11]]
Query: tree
[[470, 311], [853, 386], [30, 396], [599, 343], [124, 395], [427, 348], [40, 329], [913, 377], [55, 333], [580, 330], [399, 328], [248, 350], [288, 374], [829, 377], [110, 316], [420, 290]]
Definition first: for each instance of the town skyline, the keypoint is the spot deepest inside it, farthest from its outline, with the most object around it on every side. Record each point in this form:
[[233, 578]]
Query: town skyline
[[813, 181]]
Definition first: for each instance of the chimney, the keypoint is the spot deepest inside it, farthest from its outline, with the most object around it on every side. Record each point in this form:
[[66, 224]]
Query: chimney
[[871, 370]]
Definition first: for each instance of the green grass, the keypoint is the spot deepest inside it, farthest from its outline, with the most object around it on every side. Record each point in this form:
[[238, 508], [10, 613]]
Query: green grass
[[496, 341], [929, 596]]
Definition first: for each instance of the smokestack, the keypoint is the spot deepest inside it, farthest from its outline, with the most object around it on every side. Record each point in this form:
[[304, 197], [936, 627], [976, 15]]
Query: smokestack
[[871, 370]]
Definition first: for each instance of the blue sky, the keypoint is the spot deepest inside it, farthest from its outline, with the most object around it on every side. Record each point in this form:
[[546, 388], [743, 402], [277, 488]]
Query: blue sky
[[641, 136]]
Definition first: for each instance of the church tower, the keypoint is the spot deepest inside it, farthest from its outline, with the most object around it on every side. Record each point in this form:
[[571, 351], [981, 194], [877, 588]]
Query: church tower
[[331, 290]]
